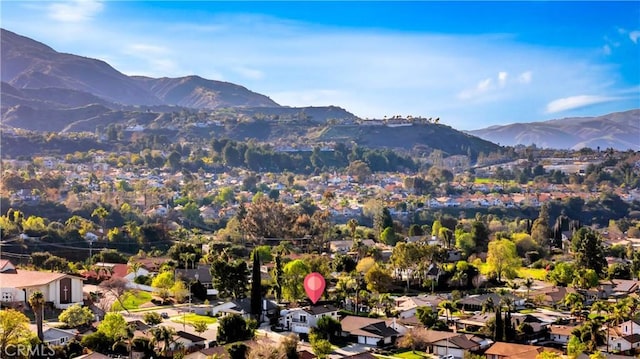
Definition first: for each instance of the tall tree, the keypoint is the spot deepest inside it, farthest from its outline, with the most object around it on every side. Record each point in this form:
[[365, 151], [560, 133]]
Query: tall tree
[[503, 258], [480, 236], [589, 250], [540, 228], [256, 288], [498, 334], [102, 215], [230, 279], [278, 274], [36, 301]]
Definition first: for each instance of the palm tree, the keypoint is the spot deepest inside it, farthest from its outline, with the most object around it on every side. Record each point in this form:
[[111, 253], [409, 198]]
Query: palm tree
[[163, 334], [573, 301], [488, 305], [528, 283], [353, 225], [102, 215], [135, 267], [446, 307], [36, 301]]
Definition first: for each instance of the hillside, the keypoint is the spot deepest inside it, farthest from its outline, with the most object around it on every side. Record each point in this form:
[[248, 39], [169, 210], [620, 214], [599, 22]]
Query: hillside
[[620, 130], [44, 90]]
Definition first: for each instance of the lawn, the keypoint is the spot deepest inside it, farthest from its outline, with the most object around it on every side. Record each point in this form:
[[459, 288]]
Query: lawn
[[192, 318], [523, 272], [132, 300], [533, 273], [412, 355]]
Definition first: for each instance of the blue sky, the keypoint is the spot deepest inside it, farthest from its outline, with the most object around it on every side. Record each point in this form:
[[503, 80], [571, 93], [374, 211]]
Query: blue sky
[[473, 64]]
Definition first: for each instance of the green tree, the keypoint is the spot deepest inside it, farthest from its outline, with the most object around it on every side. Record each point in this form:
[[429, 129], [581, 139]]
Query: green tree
[[256, 288], [589, 250], [230, 278], [14, 329], [480, 235], [378, 280], [152, 318], [562, 274], [200, 326], [321, 347], [102, 215], [540, 229], [427, 316], [388, 236], [328, 328], [75, 316], [502, 259], [237, 351], [113, 326], [293, 278], [233, 328]]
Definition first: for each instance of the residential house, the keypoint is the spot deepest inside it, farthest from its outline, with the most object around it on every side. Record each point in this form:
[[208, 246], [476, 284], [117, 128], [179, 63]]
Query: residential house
[[475, 302], [455, 344], [370, 331], [203, 275], [243, 307], [189, 341], [60, 289], [550, 296], [301, 320], [625, 337], [560, 333], [618, 288], [500, 350], [407, 307], [55, 336]]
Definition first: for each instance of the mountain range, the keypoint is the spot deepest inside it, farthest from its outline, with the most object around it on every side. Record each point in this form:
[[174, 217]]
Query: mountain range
[[45, 90], [620, 130]]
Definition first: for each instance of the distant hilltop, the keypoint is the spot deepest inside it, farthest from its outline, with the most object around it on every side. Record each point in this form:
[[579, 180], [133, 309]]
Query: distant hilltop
[[619, 130]]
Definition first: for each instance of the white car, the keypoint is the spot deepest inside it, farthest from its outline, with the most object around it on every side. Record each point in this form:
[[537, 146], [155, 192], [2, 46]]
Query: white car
[[448, 356]]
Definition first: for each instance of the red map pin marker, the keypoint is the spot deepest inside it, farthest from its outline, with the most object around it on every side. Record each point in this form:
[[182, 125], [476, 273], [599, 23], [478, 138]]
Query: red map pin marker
[[314, 286]]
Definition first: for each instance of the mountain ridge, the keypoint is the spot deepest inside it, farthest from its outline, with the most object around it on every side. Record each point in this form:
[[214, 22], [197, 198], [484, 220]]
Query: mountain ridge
[[618, 130]]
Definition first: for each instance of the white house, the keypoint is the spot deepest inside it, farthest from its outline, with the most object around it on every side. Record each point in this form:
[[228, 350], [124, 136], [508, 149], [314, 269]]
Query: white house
[[301, 320], [626, 336], [560, 333], [16, 285]]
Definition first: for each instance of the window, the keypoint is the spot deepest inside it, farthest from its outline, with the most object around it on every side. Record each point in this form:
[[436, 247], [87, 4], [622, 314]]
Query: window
[[303, 318]]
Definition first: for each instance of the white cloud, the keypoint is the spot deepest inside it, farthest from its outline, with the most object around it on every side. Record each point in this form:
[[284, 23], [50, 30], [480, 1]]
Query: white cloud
[[502, 78], [74, 11], [634, 36], [525, 77], [606, 49], [249, 73], [134, 49], [575, 102], [489, 86]]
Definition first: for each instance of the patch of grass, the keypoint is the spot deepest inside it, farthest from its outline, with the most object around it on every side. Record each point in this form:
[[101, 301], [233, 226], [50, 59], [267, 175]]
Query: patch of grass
[[533, 273], [192, 318], [527, 311], [412, 355], [132, 300], [483, 180]]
